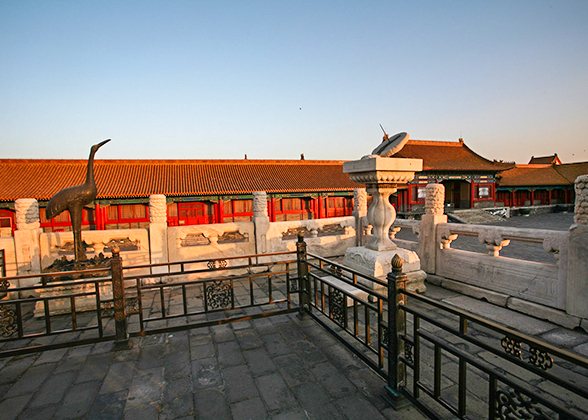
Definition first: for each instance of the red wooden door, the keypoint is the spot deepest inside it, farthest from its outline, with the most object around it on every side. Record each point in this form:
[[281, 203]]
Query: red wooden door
[[194, 214]]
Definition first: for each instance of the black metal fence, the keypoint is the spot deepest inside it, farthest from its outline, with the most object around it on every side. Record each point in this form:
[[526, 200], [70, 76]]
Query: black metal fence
[[445, 360], [52, 314], [184, 294], [452, 361], [120, 303]]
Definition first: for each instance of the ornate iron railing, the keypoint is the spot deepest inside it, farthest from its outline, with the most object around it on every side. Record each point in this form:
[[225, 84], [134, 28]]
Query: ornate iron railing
[[442, 359], [74, 310], [182, 294], [522, 377], [121, 304], [347, 303]]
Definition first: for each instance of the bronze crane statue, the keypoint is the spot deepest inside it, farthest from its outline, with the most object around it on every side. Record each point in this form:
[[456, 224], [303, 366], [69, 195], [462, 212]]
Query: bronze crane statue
[[74, 199]]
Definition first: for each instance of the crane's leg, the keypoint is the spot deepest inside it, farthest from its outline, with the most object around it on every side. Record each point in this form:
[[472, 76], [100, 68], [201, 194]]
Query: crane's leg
[[75, 214]]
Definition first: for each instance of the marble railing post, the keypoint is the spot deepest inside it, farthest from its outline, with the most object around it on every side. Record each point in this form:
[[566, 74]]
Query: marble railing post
[[26, 239], [577, 278], [434, 205], [359, 212], [158, 232], [260, 221]]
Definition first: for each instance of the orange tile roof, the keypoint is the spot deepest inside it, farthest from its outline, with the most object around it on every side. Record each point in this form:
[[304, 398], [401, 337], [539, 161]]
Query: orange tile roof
[[449, 156], [41, 179], [531, 175], [544, 160], [571, 171]]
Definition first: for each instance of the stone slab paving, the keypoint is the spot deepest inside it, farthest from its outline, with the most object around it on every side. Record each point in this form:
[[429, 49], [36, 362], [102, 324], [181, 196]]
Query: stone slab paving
[[278, 368], [272, 368]]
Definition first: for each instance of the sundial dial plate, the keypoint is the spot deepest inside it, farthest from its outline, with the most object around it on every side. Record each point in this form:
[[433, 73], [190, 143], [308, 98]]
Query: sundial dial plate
[[392, 145]]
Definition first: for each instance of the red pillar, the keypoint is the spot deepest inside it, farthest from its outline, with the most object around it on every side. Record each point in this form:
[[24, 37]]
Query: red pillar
[[532, 197], [472, 194], [408, 197], [97, 217], [320, 207], [220, 211]]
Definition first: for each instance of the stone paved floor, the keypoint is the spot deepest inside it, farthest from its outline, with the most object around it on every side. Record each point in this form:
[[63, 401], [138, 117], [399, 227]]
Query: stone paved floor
[[278, 368]]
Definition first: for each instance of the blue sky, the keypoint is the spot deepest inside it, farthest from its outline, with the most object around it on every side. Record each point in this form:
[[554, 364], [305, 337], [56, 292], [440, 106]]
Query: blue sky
[[274, 79]]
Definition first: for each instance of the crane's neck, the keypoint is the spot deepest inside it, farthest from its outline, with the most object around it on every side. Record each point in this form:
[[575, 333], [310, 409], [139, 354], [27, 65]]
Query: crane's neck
[[90, 169]]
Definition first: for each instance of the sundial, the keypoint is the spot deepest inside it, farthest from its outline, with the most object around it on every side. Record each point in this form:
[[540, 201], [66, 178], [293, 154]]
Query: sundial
[[392, 145]]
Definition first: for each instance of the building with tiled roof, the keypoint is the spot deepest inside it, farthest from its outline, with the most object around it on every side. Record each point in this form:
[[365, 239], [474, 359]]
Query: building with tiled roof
[[536, 184], [532, 176], [545, 160], [41, 179], [449, 157], [571, 171], [469, 178], [216, 191], [198, 191]]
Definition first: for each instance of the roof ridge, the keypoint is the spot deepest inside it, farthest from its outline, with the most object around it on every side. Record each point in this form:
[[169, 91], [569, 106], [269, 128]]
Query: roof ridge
[[181, 161], [533, 165], [437, 142]]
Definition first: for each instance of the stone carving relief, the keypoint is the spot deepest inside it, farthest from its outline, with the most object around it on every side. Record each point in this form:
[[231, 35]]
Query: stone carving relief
[[260, 203], [157, 208], [27, 214], [123, 244], [233, 237], [581, 207], [435, 198], [360, 200], [194, 239]]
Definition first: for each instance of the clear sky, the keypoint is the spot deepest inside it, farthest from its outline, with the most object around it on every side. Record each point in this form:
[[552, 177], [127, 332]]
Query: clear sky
[[274, 79]]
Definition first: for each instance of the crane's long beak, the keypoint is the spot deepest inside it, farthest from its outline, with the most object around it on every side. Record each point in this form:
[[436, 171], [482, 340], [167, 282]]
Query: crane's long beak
[[102, 143]]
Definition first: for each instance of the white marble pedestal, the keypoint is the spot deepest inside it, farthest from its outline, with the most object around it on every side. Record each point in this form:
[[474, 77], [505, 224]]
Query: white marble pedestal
[[382, 175], [379, 263]]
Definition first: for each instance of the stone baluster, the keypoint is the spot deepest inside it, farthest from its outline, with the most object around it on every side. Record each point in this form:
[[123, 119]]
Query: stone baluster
[[581, 206], [446, 237], [553, 246], [381, 216], [394, 230], [27, 214], [434, 199], [157, 208], [494, 242]]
